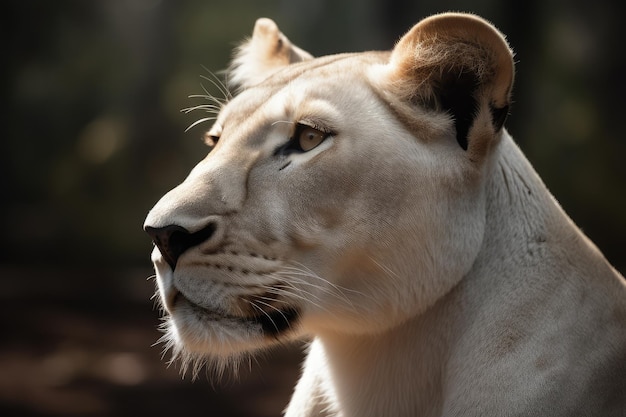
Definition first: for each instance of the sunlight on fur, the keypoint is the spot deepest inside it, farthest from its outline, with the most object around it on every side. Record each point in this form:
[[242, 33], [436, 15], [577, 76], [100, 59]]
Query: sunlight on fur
[[374, 204]]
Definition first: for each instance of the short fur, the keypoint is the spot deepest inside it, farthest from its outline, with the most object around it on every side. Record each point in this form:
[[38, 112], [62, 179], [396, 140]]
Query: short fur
[[414, 243]]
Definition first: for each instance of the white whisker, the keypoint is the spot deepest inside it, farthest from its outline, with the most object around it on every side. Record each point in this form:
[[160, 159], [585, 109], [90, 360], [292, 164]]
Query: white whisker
[[334, 289], [282, 121], [272, 307], [339, 288], [292, 278], [197, 122], [210, 108], [289, 281], [210, 97], [385, 268], [284, 291], [276, 300], [215, 104], [217, 83], [253, 304]]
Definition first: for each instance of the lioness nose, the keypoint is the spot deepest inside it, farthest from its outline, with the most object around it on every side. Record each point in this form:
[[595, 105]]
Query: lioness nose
[[173, 240]]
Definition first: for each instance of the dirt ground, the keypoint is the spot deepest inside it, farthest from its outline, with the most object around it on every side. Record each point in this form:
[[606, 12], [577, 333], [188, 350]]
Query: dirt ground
[[81, 343]]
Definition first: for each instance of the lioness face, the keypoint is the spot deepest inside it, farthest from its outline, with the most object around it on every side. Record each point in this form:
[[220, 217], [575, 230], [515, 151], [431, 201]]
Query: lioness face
[[330, 203]]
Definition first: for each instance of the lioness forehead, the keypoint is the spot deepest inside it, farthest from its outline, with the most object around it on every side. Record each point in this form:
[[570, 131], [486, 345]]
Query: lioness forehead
[[318, 78]]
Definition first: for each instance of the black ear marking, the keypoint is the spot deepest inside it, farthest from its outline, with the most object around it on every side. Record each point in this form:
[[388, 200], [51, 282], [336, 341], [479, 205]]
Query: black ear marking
[[456, 96], [499, 116]]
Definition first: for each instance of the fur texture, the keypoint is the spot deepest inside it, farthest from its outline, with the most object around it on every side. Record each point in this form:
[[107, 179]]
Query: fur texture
[[375, 203]]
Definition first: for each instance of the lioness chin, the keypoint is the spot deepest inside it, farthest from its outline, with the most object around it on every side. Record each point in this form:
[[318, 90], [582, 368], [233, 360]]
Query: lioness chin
[[375, 203]]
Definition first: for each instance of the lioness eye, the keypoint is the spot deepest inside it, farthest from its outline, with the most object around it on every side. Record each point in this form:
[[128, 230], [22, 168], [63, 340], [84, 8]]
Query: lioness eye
[[212, 136], [309, 137], [304, 139], [210, 140]]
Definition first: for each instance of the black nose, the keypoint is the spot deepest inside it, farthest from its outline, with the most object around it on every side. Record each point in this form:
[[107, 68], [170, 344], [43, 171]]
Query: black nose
[[173, 240]]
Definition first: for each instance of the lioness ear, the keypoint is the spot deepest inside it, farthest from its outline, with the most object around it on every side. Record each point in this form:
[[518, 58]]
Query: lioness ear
[[460, 64], [266, 52]]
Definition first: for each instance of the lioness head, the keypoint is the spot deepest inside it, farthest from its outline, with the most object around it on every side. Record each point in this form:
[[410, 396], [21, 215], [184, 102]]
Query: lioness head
[[343, 194]]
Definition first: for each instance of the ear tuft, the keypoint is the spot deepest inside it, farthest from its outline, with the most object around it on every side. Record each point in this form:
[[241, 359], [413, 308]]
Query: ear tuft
[[265, 53]]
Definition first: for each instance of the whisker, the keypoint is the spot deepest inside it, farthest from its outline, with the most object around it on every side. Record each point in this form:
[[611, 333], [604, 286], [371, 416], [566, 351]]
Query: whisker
[[253, 304], [211, 97], [283, 291], [298, 280], [215, 104], [217, 83], [210, 108], [274, 308], [304, 269], [312, 274], [197, 122], [282, 121], [338, 291], [384, 268], [276, 300]]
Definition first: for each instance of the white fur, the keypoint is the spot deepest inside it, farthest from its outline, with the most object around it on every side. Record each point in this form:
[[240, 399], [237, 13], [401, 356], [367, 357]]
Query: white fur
[[433, 280]]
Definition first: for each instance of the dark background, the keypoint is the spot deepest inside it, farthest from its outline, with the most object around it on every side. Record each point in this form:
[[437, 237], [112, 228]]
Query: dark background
[[93, 135]]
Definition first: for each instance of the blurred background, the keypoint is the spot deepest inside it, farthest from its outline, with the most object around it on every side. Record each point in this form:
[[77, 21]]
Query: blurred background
[[93, 135]]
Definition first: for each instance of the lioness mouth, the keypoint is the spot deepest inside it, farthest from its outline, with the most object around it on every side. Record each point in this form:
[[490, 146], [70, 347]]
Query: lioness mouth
[[273, 322], [277, 322]]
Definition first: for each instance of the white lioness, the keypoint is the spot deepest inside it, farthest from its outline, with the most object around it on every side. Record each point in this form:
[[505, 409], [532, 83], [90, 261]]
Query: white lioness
[[375, 203]]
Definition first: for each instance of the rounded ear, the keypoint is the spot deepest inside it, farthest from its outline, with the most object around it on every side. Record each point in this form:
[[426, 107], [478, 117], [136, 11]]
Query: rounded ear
[[460, 64], [266, 52]]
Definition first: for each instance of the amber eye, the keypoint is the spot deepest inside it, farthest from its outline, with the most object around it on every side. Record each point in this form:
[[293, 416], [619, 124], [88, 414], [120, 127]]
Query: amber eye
[[304, 139], [309, 137]]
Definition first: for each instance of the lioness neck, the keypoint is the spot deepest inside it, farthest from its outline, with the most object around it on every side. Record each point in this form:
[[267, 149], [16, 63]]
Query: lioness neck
[[538, 288], [522, 288], [398, 372]]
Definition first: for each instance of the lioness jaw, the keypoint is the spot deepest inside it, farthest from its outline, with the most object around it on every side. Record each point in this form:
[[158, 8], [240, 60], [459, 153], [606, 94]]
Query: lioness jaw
[[375, 203]]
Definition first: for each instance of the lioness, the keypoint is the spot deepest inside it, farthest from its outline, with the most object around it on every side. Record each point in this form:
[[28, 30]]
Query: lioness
[[375, 202]]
